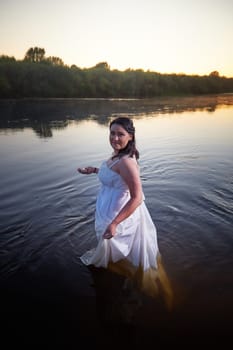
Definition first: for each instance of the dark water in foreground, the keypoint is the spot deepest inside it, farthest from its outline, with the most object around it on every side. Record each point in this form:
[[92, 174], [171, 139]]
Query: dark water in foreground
[[48, 298]]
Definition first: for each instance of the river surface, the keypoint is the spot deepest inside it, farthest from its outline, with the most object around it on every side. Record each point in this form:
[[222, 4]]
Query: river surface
[[47, 221]]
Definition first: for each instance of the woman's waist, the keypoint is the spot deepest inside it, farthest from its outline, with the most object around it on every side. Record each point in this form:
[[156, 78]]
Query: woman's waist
[[121, 188]]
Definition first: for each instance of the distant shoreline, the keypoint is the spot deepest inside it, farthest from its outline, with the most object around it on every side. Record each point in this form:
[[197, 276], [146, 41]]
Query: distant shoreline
[[52, 79]]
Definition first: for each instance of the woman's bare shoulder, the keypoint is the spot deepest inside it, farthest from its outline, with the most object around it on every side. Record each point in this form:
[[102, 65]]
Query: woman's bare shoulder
[[128, 162], [127, 159]]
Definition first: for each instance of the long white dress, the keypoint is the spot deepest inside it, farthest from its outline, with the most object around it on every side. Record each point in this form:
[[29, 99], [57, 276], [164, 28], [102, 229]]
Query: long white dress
[[136, 236], [133, 251]]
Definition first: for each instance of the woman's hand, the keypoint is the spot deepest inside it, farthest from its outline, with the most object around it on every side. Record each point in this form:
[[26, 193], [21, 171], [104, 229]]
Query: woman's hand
[[88, 170], [110, 231]]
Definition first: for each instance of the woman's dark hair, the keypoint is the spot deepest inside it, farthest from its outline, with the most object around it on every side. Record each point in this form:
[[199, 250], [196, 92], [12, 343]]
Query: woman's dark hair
[[130, 149]]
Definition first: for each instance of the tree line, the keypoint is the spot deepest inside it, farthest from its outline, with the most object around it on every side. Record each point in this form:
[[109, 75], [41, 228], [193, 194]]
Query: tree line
[[38, 76]]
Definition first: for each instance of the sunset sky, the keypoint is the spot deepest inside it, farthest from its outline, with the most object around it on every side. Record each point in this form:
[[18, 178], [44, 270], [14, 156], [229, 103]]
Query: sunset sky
[[166, 36]]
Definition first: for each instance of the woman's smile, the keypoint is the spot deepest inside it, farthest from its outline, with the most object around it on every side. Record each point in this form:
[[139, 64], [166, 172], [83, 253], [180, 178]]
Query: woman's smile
[[119, 137]]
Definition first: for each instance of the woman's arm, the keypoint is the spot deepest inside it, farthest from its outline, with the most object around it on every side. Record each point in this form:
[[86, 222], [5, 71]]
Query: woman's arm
[[88, 170], [128, 169]]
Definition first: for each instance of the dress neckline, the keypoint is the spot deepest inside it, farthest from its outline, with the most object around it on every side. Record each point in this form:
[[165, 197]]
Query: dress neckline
[[113, 163]]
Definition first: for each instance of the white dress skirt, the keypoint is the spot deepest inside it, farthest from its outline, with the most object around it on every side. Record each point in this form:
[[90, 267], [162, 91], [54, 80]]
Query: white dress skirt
[[136, 236], [134, 248]]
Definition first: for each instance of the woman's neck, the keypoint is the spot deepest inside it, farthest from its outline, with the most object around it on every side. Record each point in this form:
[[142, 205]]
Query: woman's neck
[[114, 154]]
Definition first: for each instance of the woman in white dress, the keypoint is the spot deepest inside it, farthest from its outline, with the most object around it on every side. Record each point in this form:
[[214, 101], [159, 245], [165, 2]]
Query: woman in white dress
[[126, 234]]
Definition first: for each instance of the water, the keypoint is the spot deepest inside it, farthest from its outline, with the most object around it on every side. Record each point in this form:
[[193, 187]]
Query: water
[[47, 213]]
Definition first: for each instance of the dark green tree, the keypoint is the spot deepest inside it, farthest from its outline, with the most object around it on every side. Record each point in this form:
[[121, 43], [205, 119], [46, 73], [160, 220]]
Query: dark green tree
[[55, 61], [102, 65], [215, 73], [35, 54]]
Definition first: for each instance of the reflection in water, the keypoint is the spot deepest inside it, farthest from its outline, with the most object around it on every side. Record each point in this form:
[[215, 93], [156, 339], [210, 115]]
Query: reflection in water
[[44, 115], [121, 298], [134, 307], [44, 130], [152, 282]]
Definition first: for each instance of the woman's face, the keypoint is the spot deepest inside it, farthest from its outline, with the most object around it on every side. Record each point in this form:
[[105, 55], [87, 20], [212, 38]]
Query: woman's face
[[119, 137]]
